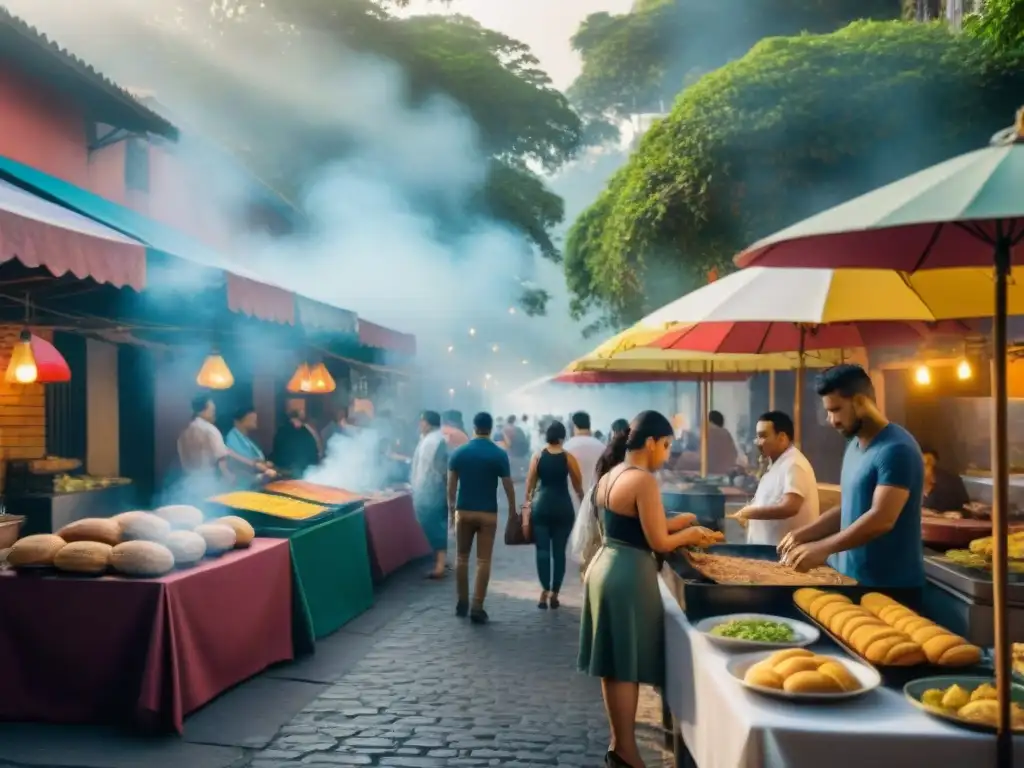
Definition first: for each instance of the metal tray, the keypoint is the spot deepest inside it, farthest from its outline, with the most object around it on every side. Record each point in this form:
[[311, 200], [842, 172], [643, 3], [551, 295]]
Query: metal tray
[[898, 676], [971, 582]]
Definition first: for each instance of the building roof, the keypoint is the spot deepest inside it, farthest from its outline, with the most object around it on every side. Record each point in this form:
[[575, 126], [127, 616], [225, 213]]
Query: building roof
[[106, 101]]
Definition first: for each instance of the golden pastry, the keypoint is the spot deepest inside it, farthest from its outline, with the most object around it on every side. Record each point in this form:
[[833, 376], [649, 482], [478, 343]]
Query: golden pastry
[[840, 674], [983, 691], [877, 650], [890, 613], [764, 677], [843, 619], [822, 600], [876, 601], [853, 625], [955, 697], [938, 645], [796, 664], [906, 621], [780, 656], [805, 596], [863, 637], [811, 682], [984, 711], [904, 654], [923, 635], [918, 622], [933, 698], [963, 655], [830, 611]]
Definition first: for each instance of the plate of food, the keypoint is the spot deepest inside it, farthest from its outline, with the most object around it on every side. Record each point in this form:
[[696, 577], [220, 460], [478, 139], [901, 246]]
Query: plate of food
[[800, 675], [753, 631], [969, 702]]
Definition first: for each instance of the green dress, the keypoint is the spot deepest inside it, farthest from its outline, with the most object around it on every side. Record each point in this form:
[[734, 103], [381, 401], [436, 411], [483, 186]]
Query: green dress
[[622, 627]]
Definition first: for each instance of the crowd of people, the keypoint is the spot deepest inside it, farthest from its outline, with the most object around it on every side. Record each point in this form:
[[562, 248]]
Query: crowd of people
[[873, 535]]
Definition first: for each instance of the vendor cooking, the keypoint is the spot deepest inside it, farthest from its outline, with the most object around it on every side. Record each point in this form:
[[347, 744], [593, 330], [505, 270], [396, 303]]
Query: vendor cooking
[[787, 494], [876, 531]]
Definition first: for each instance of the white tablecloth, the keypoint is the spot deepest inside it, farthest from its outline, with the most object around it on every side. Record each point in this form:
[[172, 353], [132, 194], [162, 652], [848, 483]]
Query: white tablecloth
[[726, 726]]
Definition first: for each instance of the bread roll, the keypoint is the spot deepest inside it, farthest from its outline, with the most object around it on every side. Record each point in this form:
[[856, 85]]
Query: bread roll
[[905, 621], [764, 677], [36, 550], [796, 664], [811, 682], [918, 622], [876, 651], [904, 654], [938, 645], [840, 674], [890, 613], [780, 656], [866, 635], [876, 601], [827, 613], [842, 620], [822, 600], [924, 634], [852, 625], [805, 596], [963, 655]]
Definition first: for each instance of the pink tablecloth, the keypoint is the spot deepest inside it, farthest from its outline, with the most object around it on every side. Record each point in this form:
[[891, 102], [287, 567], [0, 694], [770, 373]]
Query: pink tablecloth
[[393, 535], [77, 650]]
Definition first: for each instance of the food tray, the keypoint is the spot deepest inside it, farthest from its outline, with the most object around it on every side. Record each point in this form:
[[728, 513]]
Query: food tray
[[945, 534], [762, 553], [314, 493], [892, 675], [972, 582]]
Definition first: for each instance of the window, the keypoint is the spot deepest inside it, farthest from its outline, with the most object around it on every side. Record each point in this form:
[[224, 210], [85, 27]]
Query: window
[[136, 165]]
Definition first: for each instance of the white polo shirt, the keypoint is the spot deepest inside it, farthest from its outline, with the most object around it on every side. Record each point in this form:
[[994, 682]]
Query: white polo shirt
[[790, 473], [201, 446]]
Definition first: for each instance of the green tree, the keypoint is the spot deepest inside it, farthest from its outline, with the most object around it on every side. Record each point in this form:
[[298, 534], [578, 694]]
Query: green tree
[[636, 62], [998, 23], [795, 126]]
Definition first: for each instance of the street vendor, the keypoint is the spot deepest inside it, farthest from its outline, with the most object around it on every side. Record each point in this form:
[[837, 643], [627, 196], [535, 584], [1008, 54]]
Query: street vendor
[[201, 448], [787, 494], [247, 457], [875, 533]]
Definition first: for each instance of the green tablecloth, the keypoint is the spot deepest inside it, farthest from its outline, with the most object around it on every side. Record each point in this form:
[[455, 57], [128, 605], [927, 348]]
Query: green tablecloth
[[331, 580]]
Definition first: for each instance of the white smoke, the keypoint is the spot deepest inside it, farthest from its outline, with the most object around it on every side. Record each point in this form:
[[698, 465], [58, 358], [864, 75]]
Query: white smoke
[[352, 462]]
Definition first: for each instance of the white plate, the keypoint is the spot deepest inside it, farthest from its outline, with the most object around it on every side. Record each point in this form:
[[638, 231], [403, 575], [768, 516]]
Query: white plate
[[868, 677], [803, 634]]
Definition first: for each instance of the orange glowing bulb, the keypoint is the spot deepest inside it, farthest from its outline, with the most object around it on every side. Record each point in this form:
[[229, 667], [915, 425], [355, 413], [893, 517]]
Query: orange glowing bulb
[[215, 374], [22, 368]]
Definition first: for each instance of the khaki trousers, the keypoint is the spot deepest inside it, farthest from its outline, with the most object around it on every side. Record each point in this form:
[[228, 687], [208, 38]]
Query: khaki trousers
[[484, 527]]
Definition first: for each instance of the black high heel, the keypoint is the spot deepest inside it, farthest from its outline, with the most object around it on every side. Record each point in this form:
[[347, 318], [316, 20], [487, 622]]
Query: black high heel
[[612, 760]]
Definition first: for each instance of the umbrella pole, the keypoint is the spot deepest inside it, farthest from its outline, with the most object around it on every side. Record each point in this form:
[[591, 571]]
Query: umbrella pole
[[798, 394], [771, 390], [705, 408], [1000, 496]]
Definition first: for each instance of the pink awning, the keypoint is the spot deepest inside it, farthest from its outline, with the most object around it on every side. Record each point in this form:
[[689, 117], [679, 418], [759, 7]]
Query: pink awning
[[259, 300], [41, 234], [373, 335]]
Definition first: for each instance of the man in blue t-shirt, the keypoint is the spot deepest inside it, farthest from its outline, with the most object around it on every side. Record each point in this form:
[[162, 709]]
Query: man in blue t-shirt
[[876, 531], [474, 470]]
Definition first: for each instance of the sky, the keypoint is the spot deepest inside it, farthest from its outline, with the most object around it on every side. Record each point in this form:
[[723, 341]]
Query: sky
[[544, 25]]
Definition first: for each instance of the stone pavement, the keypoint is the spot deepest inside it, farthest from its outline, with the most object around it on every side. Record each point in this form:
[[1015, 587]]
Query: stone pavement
[[438, 691]]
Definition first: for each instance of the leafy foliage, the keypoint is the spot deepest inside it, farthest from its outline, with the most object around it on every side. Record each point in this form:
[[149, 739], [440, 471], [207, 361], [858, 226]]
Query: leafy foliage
[[633, 63], [998, 23], [795, 126]]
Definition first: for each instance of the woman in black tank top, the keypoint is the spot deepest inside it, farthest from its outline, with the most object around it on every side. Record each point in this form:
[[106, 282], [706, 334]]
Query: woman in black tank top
[[552, 513], [622, 622]]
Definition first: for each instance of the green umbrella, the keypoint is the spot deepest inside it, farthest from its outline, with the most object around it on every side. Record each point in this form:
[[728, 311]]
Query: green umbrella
[[965, 212]]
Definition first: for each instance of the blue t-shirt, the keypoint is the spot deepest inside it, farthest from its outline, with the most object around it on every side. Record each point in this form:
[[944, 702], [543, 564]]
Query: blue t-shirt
[[480, 464], [895, 559]]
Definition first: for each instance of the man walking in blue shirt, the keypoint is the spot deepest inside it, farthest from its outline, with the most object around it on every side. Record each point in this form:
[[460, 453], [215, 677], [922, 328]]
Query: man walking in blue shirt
[[876, 530], [474, 470]]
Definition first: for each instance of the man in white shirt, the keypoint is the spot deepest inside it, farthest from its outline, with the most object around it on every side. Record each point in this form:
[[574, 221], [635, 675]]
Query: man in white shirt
[[584, 447], [787, 495], [201, 446]]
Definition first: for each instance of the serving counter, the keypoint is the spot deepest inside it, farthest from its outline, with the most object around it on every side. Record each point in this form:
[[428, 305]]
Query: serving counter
[[394, 536], [723, 725], [49, 512]]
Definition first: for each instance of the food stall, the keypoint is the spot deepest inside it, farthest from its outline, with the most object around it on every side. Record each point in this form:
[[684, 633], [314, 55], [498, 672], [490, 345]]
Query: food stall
[[866, 691], [48, 494], [161, 610]]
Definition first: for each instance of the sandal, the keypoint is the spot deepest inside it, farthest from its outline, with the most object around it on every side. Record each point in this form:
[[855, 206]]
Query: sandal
[[612, 760], [554, 602], [543, 604]]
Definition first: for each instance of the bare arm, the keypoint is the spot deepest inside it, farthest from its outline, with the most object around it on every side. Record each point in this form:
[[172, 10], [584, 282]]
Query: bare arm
[[827, 524], [531, 477], [654, 523], [785, 509], [681, 521], [453, 487], [575, 475], [510, 493], [886, 504]]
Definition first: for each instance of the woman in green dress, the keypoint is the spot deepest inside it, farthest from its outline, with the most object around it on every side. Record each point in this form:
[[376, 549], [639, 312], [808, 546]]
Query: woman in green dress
[[622, 624]]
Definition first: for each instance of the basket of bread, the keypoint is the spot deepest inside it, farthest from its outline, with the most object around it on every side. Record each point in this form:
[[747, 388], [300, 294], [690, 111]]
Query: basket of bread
[[136, 544], [797, 673], [885, 633]]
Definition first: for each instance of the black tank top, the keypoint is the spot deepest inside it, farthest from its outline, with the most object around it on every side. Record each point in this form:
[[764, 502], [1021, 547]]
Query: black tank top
[[620, 527], [552, 500]]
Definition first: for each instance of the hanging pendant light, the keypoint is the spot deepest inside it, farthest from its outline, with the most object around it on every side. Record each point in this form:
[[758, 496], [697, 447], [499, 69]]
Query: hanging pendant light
[[320, 380], [215, 373], [22, 368], [299, 381], [34, 360]]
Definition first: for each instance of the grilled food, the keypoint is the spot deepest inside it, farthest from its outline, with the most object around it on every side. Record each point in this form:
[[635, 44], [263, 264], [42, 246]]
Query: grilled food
[[278, 506], [723, 569], [318, 494]]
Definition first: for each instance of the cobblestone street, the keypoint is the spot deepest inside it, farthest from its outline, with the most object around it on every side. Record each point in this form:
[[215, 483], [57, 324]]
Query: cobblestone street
[[438, 691]]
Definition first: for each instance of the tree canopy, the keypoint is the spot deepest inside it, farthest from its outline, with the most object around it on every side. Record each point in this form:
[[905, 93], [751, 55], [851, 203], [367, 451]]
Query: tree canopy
[[636, 62], [793, 127], [998, 23]]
